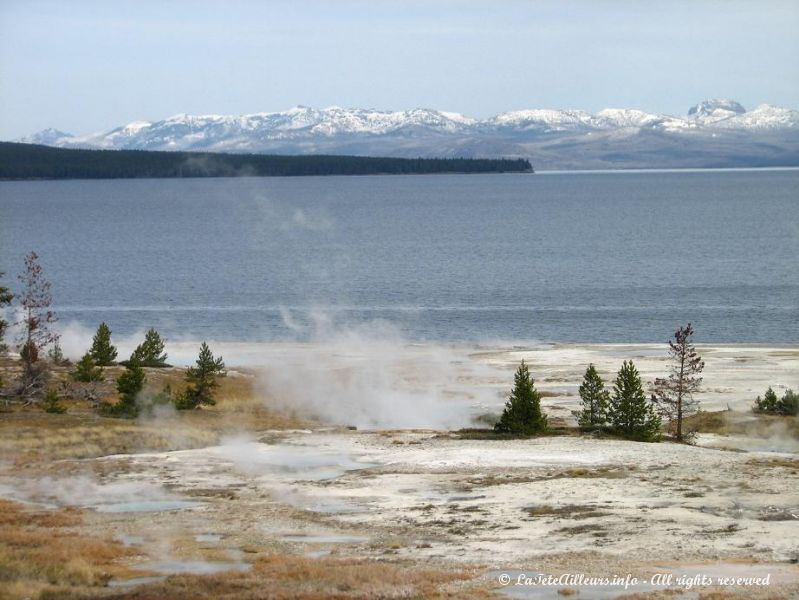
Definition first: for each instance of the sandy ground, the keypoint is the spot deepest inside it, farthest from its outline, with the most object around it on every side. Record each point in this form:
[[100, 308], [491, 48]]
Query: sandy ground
[[552, 505]]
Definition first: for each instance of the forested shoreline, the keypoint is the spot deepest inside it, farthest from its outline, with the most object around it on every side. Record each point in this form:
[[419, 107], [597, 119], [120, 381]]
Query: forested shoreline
[[32, 161]]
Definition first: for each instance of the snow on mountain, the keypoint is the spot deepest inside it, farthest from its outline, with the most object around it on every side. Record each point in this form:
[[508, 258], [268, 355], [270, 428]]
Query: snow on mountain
[[182, 131], [717, 109], [627, 117], [763, 116], [615, 132], [543, 119], [47, 137]]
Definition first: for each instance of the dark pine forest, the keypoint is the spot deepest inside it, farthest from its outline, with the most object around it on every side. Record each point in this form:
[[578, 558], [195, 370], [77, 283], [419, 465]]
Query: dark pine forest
[[31, 161]]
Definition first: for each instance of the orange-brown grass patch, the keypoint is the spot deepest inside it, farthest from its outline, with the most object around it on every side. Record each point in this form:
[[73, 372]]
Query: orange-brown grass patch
[[40, 552], [726, 422], [778, 461], [286, 577], [29, 435]]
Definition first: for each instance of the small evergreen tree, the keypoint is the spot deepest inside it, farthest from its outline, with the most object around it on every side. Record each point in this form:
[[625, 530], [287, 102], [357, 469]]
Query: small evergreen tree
[[52, 403], [150, 353], [56, 355], [595, 400], [201, 380], [522, 414], [86, 371], [129, 386], [768, 404], [630, 413], [789, 404], [5, 300], [103, 353]]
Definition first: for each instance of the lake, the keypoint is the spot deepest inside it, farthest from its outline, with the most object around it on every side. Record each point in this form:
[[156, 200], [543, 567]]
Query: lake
[[587, 257]]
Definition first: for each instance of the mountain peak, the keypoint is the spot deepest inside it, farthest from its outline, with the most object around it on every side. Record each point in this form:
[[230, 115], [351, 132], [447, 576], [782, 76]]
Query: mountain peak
[[717, 108], [48, 137]]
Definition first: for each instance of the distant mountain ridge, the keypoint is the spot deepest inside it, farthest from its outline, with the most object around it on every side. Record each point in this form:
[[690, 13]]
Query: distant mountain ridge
[[716, 132]]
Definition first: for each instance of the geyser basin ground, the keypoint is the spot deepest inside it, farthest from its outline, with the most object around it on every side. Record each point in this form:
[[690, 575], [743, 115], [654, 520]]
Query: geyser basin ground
[[497, 502], [274, 502], [558, 504]]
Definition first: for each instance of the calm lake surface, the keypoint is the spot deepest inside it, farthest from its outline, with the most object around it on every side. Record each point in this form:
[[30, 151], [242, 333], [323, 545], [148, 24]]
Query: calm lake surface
[[621, 257]]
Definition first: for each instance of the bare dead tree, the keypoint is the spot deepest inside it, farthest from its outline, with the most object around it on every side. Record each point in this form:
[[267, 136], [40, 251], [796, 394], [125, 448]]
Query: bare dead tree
[[36, 331], [674, 395], [90, 391], [5, 300]]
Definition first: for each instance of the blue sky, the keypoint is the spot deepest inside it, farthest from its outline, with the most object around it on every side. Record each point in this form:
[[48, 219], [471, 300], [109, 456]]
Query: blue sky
[[84, 66]]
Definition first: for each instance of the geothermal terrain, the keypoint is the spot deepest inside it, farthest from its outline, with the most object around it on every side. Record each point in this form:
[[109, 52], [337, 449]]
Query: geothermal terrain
[[342, 470]]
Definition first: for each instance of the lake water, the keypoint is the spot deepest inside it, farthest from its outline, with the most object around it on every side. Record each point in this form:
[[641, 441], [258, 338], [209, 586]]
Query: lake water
[[610, 257]]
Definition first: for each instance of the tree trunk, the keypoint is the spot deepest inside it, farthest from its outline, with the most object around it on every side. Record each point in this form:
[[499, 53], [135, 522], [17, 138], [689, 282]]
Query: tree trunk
[[679, 394]]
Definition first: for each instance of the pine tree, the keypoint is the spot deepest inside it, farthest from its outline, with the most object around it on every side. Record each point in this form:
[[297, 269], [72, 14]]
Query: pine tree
[[789, 404], [103, 353], [5, 300], [36, 332], [56, 355], [522, 414], [150, 353], [52, 403], [630, 413], [201, 380], [768, 404], [86, 371], [674, 395], [129, 386], [595, 400]]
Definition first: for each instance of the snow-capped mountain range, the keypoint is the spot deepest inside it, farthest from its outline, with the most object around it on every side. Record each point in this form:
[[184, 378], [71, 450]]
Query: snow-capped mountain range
[[713, 133]]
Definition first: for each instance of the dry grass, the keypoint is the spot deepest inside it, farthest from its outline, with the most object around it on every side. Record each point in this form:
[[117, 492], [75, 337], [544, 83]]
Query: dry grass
[[789, 463], [294, 577], [566, 511], [598, 473], [725, 422], [606, 472], [41, 553], [595, 530], [44, 555], [29, 435]]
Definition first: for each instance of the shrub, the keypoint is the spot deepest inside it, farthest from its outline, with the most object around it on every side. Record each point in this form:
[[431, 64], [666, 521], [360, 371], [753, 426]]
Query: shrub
[[51, 403], [767, 404], [86, 371], [56, 356], [787, 406]]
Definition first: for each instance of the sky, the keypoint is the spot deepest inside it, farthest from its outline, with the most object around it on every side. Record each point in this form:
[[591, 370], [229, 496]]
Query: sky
[[86, 66]]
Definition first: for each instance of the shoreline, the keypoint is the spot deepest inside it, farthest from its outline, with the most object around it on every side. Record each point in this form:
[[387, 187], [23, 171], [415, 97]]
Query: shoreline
[[621, 171]]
